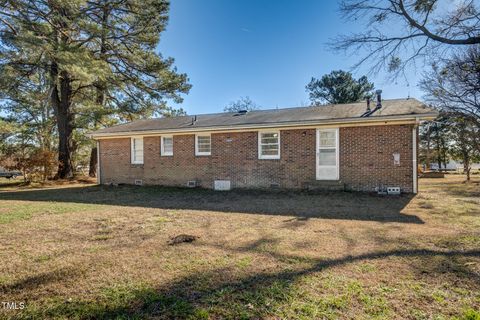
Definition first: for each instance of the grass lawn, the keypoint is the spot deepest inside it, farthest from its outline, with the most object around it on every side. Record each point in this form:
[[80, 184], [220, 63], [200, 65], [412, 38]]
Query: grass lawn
[[88, 252]]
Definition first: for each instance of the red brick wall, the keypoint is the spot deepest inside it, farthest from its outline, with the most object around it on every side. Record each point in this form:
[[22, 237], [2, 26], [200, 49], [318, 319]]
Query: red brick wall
[[366, 157], [366, 160]]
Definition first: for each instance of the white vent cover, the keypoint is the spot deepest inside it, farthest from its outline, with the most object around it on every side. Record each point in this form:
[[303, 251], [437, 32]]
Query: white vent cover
[[139, 182], [222, 185], [192, 184], [393, 190]]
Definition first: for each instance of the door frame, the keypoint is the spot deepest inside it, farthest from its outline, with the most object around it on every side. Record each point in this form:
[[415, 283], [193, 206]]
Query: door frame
[[337, 157]]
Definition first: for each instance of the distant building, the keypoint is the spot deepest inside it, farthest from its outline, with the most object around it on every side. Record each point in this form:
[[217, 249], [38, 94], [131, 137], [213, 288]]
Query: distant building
[[453, 166]]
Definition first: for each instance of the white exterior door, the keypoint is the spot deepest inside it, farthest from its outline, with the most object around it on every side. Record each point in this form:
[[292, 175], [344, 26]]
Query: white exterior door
[[327, 154]]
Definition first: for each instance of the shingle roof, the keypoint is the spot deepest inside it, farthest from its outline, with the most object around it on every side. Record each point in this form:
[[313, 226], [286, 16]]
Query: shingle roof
[[313, 114]]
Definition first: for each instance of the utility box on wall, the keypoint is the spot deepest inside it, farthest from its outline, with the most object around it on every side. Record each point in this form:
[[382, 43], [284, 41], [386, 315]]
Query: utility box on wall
[[396, 159]]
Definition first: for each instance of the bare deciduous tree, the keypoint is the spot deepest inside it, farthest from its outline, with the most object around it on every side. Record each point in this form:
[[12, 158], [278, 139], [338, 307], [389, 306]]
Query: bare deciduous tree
[[454, 85], [399, 33], [244, 103]]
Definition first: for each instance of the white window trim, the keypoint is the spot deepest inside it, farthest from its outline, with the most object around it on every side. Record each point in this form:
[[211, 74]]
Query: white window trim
[[197, 153], [259, 148], [337, 153], [132, 151], [162, 150]]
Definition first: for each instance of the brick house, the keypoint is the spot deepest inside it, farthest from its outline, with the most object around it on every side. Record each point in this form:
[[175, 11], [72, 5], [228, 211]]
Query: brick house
[[324, 147]]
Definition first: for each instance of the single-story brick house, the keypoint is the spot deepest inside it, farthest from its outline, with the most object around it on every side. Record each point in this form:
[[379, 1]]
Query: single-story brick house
[[330, 146]]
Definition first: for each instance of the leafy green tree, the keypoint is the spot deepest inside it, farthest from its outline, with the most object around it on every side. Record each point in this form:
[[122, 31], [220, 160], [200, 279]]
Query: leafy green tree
[[99, 57], [451, 136], [465, 134], [244, 103], [7, 129], [435, 139], [169, 112], [339, 87]]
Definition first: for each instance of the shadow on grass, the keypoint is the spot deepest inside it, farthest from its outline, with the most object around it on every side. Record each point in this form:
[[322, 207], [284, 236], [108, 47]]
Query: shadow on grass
[[467, 189], [456, 188], [7, 183], [203, 295], [299, 205], [37, 280]]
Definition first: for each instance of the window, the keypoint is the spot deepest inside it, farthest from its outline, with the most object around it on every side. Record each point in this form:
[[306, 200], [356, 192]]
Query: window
[[203, 145], [327, 153], [137, 150], [167, 146], [269, 145]]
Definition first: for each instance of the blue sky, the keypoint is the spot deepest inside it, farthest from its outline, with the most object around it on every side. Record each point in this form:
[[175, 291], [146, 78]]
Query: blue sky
[[267, 50]]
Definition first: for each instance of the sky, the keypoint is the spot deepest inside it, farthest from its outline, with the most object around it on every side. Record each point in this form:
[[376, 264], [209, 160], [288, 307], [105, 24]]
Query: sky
[[267, 50]]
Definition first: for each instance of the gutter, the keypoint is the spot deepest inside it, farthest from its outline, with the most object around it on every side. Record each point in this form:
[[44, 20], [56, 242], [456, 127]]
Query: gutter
[[415, 156], [99, 173], [285, 124]]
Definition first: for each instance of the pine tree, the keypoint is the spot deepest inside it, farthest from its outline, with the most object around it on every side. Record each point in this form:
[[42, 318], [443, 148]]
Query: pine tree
[[338, 87], [100, 58]]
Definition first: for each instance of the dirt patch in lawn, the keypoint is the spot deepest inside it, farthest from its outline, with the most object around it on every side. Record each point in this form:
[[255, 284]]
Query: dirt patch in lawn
[[102, 252]]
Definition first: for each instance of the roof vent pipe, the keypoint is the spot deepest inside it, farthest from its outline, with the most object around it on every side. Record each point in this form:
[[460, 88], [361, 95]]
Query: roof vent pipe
[[377, 107], [368, 108], [379, 98]]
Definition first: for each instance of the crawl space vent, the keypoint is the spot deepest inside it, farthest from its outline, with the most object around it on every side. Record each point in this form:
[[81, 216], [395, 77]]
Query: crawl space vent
[[222, 185], [393, 190], [192, 184], [138, 182]]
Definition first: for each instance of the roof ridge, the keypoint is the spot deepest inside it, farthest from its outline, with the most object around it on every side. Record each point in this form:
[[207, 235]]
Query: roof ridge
[[274, 109], [302, 107], [393, 107]]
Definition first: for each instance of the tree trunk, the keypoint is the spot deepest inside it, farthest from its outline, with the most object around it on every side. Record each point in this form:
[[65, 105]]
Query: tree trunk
[[427, 160], [65, 128], [101, 89], [466, 155], [92, 172], [439, 158], [61, 102], [466, 162]]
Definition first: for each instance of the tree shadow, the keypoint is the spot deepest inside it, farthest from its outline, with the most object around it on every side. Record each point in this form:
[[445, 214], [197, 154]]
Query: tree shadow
[[466, 190], [299, 205], [251, 296], [38, 280]]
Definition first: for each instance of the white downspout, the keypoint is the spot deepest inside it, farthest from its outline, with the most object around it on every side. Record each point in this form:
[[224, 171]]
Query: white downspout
[[414, 156], [99, 181]]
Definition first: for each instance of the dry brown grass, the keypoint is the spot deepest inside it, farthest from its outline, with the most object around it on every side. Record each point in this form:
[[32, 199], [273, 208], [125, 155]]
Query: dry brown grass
[[84, 251]]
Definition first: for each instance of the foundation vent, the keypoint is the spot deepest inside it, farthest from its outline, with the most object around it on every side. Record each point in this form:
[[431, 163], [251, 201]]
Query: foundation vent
[[222, 185], [393, 190], [191, 184]]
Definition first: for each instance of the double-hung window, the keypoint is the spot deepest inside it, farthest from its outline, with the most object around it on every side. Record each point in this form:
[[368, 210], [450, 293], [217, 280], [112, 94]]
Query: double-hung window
[[327, 148], [203, 145], [327, 154], [166, 148], [137, 150], [269, 145]]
